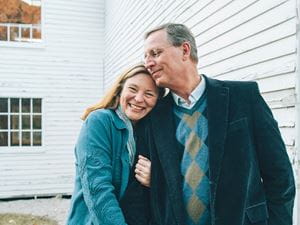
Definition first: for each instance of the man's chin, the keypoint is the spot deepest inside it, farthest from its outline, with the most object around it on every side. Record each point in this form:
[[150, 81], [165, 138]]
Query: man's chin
[[158, 82]]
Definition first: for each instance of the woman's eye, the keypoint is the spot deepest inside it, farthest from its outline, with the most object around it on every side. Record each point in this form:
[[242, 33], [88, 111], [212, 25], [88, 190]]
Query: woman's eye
[[132, 89], [149, 95]]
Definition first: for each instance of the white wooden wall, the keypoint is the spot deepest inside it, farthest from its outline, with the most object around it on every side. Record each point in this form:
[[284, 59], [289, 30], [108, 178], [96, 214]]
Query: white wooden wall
[[297, 142], [67, 72], [236, 39]]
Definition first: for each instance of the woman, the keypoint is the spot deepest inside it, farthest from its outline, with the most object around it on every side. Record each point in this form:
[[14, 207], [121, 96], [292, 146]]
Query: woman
[[105, 152]]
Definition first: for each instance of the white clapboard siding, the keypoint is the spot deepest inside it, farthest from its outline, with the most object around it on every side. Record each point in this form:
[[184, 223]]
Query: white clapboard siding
[[297, 144], [67, 72], [236, 40]]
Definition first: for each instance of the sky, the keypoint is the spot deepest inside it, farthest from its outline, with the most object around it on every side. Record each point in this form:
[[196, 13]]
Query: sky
[[33, 2]]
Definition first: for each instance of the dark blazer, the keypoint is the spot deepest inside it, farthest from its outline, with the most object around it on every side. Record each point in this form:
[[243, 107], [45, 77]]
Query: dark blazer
[[251, 178]]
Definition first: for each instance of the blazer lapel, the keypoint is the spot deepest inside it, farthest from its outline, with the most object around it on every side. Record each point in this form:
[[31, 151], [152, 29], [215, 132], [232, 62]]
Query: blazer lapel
[[217, 112], [168, 151]]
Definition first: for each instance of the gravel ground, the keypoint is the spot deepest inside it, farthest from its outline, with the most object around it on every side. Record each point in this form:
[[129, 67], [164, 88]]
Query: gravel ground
[[54, 208]]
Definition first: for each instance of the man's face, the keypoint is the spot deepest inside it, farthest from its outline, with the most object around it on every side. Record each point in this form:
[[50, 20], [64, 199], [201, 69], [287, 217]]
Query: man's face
[[162, 59]]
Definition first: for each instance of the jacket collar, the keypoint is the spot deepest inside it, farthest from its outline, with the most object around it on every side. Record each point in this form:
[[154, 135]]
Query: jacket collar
[[217, 114], [119, 124]]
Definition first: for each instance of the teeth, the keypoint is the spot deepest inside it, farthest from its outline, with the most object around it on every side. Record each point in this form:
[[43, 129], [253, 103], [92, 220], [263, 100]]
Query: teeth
[[135, 106]]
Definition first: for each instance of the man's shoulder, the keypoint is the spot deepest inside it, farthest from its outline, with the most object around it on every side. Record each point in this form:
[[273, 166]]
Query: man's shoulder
[[232, 85], [229, 83], [235, 83]]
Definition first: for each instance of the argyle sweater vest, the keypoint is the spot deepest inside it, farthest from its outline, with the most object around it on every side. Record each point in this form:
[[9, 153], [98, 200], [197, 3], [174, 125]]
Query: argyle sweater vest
[[191, 132]]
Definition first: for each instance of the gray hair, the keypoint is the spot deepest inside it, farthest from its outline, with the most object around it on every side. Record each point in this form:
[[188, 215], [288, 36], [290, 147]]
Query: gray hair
[[178, 34]]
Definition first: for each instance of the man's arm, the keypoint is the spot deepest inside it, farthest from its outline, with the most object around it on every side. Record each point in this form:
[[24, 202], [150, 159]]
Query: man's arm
[[274, 163]]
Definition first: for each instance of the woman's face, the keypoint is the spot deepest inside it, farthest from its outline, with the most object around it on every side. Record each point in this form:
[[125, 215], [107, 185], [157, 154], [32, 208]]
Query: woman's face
[[138, 96]]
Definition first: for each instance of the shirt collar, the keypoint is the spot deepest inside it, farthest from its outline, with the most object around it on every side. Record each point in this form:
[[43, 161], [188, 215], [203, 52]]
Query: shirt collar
[[194, 96]]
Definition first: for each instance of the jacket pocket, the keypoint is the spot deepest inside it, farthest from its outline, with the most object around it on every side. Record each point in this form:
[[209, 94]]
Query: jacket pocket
[[238, 124], [258, 212]]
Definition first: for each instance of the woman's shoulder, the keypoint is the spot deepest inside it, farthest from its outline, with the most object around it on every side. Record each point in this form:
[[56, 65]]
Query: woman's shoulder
[[101, 112], [103, 115]]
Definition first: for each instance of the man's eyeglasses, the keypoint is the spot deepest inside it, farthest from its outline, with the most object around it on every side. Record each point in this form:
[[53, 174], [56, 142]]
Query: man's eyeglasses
[[155, 53]]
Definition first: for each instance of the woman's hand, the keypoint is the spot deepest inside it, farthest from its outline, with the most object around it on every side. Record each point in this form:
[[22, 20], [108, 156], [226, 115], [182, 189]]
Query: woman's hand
[[143, 171]]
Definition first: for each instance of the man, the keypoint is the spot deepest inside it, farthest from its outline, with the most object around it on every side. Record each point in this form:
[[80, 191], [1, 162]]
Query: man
[[217, 153]]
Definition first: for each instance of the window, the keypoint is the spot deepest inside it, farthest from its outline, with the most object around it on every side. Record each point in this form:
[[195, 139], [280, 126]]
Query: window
[[20, 122], [20, 21]]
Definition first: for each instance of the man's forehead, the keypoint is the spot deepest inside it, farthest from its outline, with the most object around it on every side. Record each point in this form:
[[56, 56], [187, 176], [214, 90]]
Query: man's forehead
[[156, 39]]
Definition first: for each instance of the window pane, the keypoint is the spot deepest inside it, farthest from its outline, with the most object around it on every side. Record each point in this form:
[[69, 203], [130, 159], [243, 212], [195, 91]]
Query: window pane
[[3, 139], [14, 105], [3, 33], [37, 105], [14, 122], [37, 122], [26, 105], [3, 105], [37, 138], [14, 33], [25, 122], [36, 33], [3, 122], [25, 31], [25, 138], [14, 139]]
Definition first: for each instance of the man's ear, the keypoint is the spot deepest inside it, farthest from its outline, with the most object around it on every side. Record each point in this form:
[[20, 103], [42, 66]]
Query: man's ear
[[186, 47]]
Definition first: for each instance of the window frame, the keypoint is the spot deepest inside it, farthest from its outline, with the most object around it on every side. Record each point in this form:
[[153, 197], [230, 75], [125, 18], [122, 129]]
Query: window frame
[[20, 148], [39, 44]]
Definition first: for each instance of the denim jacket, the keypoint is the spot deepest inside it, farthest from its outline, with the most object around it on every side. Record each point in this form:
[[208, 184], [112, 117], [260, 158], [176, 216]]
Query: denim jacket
[[102, 171]]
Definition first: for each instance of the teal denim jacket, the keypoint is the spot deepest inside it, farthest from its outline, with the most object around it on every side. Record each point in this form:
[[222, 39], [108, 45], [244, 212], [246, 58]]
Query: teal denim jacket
[[102, 171]]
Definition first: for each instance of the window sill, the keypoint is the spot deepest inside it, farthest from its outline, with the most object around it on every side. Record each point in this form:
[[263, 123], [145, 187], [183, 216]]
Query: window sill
[[23, 150], [38, 45]]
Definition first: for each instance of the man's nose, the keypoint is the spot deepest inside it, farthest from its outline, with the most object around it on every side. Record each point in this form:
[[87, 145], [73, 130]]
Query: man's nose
[[149, 62]]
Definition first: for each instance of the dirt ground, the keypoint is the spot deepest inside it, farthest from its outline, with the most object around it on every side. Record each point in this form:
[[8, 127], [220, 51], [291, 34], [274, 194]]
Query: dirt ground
[[54, 208], [23, 219]]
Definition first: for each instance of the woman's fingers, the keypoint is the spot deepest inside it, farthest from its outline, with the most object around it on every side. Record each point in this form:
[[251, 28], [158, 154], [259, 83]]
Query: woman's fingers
[[143, 171], [143, 157], [143, 167], [142, 180], [143, 161]]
